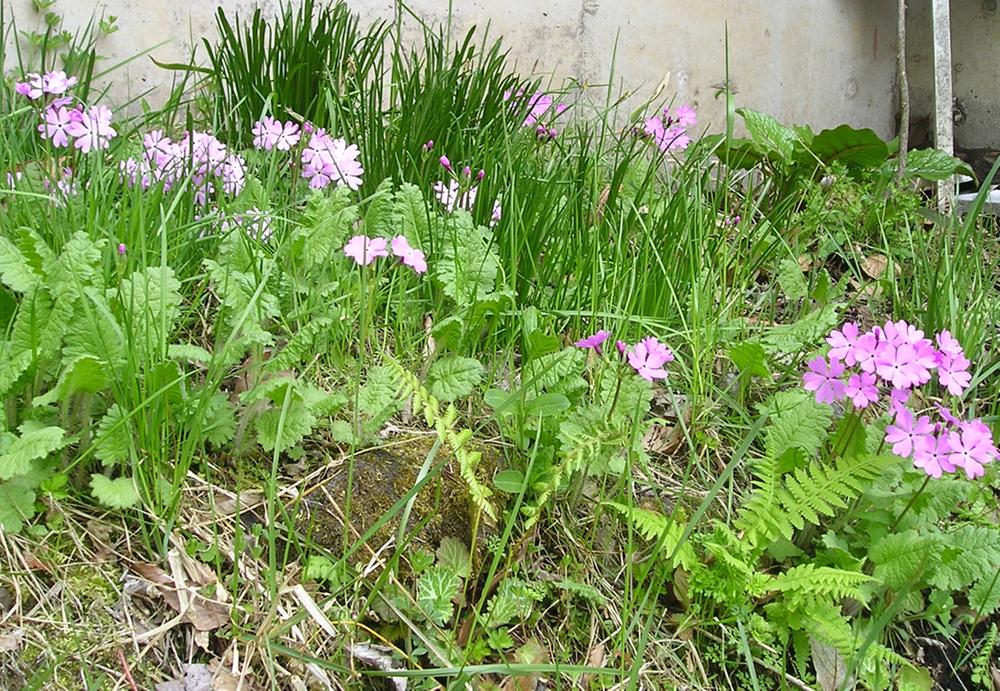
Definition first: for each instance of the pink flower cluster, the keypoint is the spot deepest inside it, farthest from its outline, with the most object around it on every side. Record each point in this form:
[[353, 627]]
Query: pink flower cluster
[[898, 357], [669, 131], [273, 134], [647, 357], [89, 128], [542, 109], [53, 83], [365, 250], [199, 154], [327, 161]]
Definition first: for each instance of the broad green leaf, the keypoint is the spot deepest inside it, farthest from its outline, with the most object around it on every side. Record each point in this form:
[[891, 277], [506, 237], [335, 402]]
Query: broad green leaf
[[380, 218], [546, 405], [453, 555], [32, 445], [934, 165], [510, 481], [769, 136], [750, 359], [17, 504], [188, 352], [844, 144], [454, 377], [119, 493], [82, 374], [411, 214], [112, 440]]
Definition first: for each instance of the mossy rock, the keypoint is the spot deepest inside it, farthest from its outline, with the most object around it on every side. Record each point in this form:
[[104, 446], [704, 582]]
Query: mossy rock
[[379, 477]]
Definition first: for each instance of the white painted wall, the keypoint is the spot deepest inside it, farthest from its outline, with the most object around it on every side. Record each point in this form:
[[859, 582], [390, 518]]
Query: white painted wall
[[821, 62]]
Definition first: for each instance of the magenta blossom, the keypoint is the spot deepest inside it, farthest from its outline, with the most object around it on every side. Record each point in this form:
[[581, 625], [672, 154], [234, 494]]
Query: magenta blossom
[[621, 347], [907, 433], [594, 342], [972, 448], [410, 256], [365, 250], [933, 455], [32, 87], [861, 389], [121, 249], [648, 357], [843, 343], [824, 379], [445, 163]]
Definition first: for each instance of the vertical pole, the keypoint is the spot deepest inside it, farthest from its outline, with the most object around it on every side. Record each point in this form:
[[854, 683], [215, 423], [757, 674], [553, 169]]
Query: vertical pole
[[904, 89], [943, 99]]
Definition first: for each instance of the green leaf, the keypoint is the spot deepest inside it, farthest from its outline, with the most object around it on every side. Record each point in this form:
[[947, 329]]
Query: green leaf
[[32, 445], [380, 216], [379, 393], [791, 338], [453, 555], [467, 267], [750, 359], [934, 165], [769, 136], [793, 283], [119, 493], [844, 144], [454, 377], [188, 352], [902, 559], [970, 553], [510, 481], [113, 439], [280, 428], [15, 272], [412, 215], [82, 374], [796, 421], [984, 596], [546, 405], [151, 298], [17, 504], [435, 591]]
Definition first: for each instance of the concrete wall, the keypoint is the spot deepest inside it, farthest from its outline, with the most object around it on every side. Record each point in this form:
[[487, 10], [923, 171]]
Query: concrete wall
[[975, 47], [820, 62]]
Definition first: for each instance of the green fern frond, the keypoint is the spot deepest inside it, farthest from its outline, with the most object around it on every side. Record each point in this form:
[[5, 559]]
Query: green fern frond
[[808, 581], [444, 424]]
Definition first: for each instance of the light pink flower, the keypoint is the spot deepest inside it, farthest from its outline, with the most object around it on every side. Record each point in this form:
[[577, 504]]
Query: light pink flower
[[861, 389], [907, 434], [953, 373], [326, 161], [410, 256], [56, 82], [273, 134], [594, 342], [32, 87], [452, 197], [843, 343], [972, 448], [365, 250], [823, 378], [56, 127], [933, 455], [647, 358], [93, 130]]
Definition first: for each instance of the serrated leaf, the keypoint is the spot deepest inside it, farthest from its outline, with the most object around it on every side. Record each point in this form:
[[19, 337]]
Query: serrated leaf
[[380, 216], [32, 445], [188, 352], [119, 493], [435, 591], [15, 272], [984, 596], [82, 374], [411, 214], [793, 283], [750, 359], [810, 329], [282, 427], [970, 553], [903, 559], [379, 393], [796, 421], [112, 441], [454, 377], [17, 504], [453, 555]]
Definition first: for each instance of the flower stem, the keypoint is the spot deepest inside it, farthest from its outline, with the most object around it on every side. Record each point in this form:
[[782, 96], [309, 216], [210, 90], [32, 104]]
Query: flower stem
[[910, 503]]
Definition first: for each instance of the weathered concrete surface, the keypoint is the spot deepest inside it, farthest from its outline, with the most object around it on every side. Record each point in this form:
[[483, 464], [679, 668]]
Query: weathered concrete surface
[[975, 47], [822, 62]]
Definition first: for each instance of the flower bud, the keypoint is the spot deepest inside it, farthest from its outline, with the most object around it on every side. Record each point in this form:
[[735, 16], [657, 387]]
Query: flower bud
[[445, 163]]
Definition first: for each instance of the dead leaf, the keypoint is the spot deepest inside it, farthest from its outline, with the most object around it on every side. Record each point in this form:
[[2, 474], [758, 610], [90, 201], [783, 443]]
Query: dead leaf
[[662, 439], [805, 263], [11, 642], [377, 656], [34, 563], [226, 505], [874, 265], [831, 668], [530, 653], [203, 613]]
